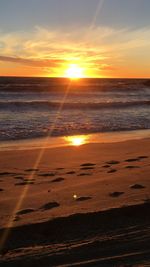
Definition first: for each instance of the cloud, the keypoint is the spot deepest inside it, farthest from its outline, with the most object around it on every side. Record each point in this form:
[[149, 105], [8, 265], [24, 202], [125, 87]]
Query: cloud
[[101, 48], [32, 62]]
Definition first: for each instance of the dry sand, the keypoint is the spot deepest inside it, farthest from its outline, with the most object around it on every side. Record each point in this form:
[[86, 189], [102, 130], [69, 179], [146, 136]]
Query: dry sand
[[80, 206]]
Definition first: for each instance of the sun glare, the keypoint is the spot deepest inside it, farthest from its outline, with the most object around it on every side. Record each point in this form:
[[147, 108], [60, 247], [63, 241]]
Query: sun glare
[[74, 72], [77, 140]]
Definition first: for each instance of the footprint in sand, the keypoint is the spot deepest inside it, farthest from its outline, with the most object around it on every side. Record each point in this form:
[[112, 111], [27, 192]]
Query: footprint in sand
[[113, 162], [31, 170], [112, 170], [71, 172], [116, 194], [84, 174], [137, 186], [106, 166], [25, 211], [5, 173], [24, 183], [142, 157], [47, 174], [84, 198], [87, 164], [57, 180], [131, 160], [49, 206], [132, 167]]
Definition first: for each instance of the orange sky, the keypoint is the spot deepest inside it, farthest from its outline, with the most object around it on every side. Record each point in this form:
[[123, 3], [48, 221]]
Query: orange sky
[[106, 41]]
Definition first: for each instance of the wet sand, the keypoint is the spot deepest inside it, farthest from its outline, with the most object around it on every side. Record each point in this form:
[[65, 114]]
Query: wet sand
[[76, 206]]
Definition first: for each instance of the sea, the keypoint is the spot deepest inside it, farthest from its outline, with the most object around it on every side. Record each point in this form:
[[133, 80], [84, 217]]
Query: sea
[[38, 107]]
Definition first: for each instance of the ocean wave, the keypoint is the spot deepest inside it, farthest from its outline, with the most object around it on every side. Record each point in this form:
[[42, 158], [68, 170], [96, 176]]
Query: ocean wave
[[26, 134], [69, 105], [61, 84]]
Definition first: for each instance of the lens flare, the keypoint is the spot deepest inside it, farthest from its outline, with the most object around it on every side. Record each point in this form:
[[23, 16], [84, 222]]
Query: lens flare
[[75, 196]]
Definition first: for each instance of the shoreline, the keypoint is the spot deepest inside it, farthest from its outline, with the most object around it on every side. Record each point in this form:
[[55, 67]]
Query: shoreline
[[54, 142]]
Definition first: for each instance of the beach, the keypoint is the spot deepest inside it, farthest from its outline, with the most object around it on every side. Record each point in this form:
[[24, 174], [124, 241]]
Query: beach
[[74, 133], [74, 172], [82, 205]]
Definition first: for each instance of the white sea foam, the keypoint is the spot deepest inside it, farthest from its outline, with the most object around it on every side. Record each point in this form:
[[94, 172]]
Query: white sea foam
[[31, 107]]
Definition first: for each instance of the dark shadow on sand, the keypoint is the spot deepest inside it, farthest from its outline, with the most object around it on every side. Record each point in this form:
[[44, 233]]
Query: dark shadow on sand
[[116, 237]]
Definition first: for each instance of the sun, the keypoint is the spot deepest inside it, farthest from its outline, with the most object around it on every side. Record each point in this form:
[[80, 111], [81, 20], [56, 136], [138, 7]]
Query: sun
[[74, 72]]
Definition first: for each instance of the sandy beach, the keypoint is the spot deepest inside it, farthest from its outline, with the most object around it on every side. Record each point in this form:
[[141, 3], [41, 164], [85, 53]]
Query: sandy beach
[[76, 206]]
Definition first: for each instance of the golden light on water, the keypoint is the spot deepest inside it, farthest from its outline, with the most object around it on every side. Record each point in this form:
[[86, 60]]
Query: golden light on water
[[76, 140]]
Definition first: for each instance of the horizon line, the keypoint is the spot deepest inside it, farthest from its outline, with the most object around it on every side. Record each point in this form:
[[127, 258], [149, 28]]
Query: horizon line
[[60, 77]]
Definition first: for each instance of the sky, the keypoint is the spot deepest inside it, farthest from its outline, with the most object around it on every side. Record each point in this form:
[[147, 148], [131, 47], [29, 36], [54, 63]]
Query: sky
[[103, 38]]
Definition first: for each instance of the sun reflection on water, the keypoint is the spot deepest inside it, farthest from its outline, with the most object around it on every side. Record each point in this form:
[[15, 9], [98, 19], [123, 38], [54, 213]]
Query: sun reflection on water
[[77, 140]]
